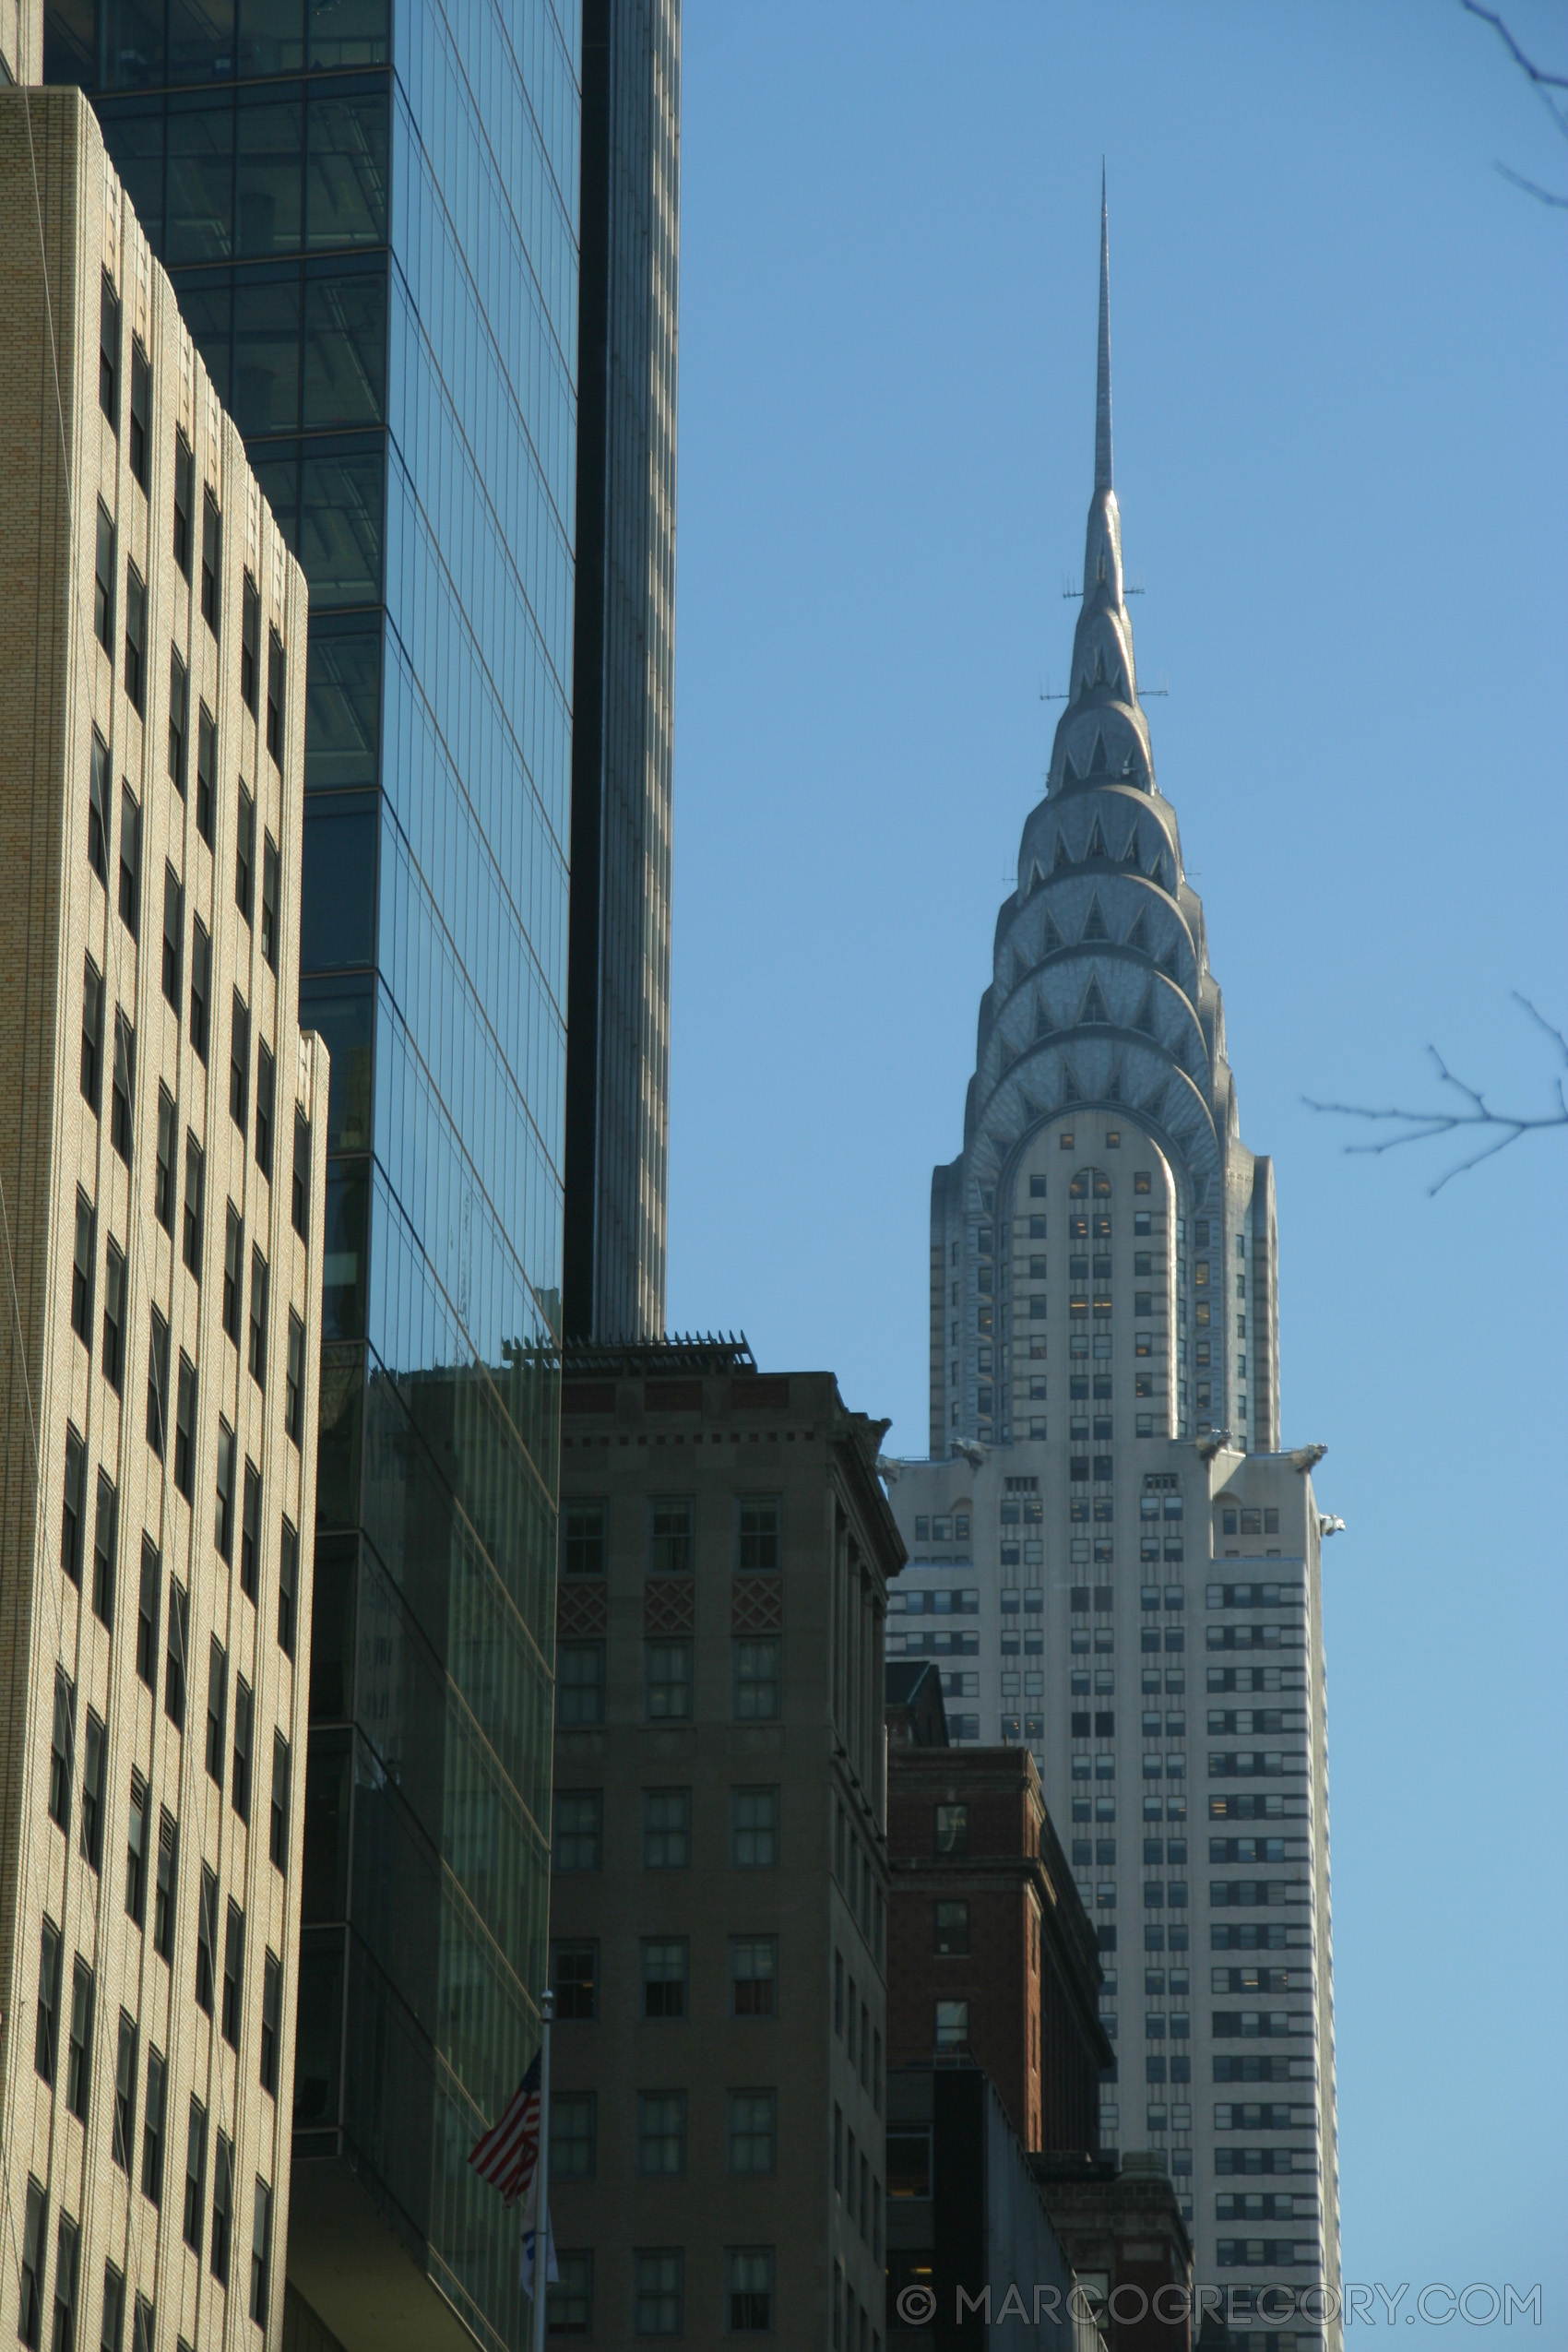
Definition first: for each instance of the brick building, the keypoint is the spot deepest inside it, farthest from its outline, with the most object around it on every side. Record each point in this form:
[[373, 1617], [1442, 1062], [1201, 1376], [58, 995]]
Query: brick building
[[991, 1953]]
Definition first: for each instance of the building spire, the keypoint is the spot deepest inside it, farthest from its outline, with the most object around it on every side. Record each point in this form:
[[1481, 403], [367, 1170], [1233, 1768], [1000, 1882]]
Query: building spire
[[1102, 479]]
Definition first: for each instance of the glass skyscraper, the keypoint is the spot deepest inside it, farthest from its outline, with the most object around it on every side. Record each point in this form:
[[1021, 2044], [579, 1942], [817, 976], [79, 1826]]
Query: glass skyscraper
[[369, 212]]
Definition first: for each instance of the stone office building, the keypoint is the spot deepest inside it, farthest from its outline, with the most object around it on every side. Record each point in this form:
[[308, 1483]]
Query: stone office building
[[720, 1894], [1113, 1561], [161, 1118]]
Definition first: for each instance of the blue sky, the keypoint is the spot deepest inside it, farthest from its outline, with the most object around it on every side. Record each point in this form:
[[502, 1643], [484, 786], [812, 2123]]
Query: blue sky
[[1340, 353]]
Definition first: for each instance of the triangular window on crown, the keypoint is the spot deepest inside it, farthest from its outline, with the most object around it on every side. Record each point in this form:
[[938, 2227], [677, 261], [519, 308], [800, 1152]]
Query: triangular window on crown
[[1020, 969], [1099, 764], [1094, 1005], [1157, 871], [1113, 1087], [1036, 878], [1145, 1020], [1069, 776], [1070, 1092], [1096, 841], [1138, 936], [1044, 1025], [1063, 856], [1051, 938], [1094, 922], [1130, 854], [1168, 963]]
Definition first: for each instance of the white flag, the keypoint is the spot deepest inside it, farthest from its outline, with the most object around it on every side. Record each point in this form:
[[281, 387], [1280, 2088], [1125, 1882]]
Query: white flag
[[531, 2233]]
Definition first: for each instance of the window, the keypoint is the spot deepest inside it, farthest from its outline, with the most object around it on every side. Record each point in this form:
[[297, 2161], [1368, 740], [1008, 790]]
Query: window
[[294, 1380], [103, 582], [758, 1536], [578, 1826], [125, 2093], [275, 676], [952, 2024], [952, 1829], [575, 1973], [667, 1829], [244, 1717], [669, 1545], [579, 1682], [250, 1532], [664, 1978], [250, 637], [92, 1035], [952, 1930], [300, 1204], [163, 1164], [163, 1896], [158, 1384], [667, 1686], [206, 763], [201, 985], [258, 1319], [233, 1272], [751, 2130], [152, 2131], [573, 2136], [46, 2037], [184, 1428], [124, 1081], [66, 2257], [144, 2327], [147, 1610], [661, 2132], [239, 1062], [569, 2305], [82, 1270], [62, 1749], [754, 1828], [757, 1688], [222, 2206], [659, 2291], [224, 1511], [211, 559], [269, 889], [195, 1188], [748, 2278], [94, 1760], [754, 1976], [271, 2021], [279, 1845], [288, 1583], [245, 854], [216, 1709], [179, 726], [35, 2236], [73, 1506], [185, 499], [141, 407], [207, 1940], [196, 2177], [261, 2252], [79, 2055], [136, 637]]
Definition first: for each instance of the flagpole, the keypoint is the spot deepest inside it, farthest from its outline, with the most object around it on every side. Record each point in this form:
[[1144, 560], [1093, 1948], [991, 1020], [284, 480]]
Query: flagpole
[[541, 2179]]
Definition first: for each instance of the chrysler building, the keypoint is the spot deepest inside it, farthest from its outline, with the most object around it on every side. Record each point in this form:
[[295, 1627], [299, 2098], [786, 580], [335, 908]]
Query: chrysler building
[[1114, 1554]]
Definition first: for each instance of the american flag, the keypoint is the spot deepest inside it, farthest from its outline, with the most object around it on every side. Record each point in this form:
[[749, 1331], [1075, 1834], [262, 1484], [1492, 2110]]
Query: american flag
[[507, 2152]]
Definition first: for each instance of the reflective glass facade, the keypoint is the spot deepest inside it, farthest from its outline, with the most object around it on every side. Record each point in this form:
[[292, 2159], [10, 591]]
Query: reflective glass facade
[[618, 1059], [369, 211]]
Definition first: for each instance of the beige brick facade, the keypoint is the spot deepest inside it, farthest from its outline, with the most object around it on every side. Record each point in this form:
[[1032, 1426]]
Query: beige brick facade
[[121, 1188]]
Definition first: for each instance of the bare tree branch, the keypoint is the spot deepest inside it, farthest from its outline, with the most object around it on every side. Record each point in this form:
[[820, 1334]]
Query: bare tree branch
[[1501, 1127], [1543, 83]]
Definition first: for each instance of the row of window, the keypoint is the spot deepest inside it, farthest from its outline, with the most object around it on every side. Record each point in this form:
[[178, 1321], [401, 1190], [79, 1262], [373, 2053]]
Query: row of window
[[659, 2293], [752, 1978], [751, 2134], [112, 2323], [757, 1686], [671, 1535], [578, 1841]]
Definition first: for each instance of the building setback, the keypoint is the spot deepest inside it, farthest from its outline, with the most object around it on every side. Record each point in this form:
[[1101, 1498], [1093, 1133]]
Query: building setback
[[161, 1129], [1113, 1562], [623, 667], [720, 1881], [370, 216]]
